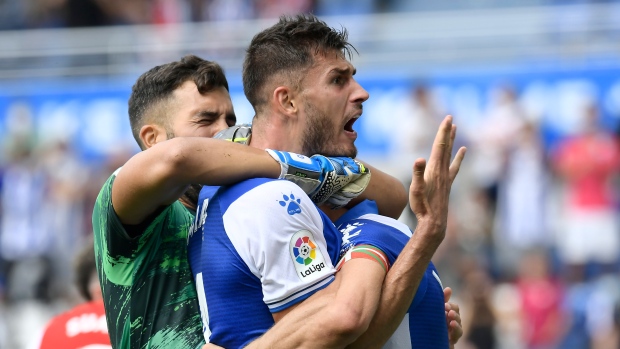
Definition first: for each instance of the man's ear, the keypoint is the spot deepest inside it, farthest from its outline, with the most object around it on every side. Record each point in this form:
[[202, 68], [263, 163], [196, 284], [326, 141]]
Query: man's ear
[[285, 99], [152, 134]]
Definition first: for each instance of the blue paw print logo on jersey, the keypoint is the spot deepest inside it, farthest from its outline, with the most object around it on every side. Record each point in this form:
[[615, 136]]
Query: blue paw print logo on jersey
[[292, 202]]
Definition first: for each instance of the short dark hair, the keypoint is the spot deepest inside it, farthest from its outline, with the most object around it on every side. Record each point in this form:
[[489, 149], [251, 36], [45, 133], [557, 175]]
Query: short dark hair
[[160, 82], [85, 268], [288, 47]]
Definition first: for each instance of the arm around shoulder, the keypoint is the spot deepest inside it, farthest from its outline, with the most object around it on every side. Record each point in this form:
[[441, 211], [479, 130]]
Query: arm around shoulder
[[158, 176]]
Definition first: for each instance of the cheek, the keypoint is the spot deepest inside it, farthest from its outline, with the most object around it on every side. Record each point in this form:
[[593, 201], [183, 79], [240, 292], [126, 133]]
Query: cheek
[[212, 130], [208, 131]]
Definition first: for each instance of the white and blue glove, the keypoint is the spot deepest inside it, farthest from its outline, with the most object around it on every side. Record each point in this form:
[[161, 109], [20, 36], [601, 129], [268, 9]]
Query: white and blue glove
[[332, 180]]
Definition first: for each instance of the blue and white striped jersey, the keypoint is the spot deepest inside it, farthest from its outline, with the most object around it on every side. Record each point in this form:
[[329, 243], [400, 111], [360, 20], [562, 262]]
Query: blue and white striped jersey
[[424, 325], [256, 248]]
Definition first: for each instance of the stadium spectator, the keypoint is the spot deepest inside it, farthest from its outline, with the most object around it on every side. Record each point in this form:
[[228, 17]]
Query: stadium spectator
[[520, 223], [416, 115], [276, 8], [480, 324], [541, 302], [24, 244], [84, 325], [588, 163]]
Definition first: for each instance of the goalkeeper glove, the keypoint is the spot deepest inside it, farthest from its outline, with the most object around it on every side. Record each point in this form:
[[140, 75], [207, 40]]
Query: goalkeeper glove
[[324, 177]]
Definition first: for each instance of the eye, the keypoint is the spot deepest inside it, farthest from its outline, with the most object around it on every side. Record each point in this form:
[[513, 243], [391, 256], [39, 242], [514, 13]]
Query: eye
[[206, 121], [231, 120], [338, 80]]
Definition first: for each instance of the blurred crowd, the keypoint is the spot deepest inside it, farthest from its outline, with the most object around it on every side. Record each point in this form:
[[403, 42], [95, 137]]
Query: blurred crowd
[[533, 244], [47, 193], [532, 249], [32, 14]]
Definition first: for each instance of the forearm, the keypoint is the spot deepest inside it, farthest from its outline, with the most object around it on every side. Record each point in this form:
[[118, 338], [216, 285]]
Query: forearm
[[160, 175], [333, 317], [399, 288], [215, 162], [387, 191]]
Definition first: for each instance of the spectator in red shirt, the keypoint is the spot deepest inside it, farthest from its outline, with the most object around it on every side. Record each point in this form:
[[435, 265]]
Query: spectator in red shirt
[[83, 327], [588, 164], [541, 302]]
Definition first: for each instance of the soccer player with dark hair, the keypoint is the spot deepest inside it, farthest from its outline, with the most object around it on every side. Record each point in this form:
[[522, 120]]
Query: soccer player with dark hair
[[262, 252]]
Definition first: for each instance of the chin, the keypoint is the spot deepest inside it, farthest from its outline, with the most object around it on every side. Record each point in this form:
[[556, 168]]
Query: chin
[[349, 151]]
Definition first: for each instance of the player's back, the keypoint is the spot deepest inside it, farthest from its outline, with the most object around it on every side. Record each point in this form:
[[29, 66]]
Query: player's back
[[424, 325], [258, 247]]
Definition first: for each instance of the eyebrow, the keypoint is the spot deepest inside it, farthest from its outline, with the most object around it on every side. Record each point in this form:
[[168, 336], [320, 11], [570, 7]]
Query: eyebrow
[[342, 71], [207, 113]]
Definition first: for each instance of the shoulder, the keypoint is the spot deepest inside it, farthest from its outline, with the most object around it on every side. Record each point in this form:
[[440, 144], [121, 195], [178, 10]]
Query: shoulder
[[267, 211], [106, 190], [266, 195], [376, 221]]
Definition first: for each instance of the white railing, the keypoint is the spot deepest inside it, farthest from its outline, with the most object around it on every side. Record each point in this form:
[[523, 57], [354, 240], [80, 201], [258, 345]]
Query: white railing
[[410, 42]]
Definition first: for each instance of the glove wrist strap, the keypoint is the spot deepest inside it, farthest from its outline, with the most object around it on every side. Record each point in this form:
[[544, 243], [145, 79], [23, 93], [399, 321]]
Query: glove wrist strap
[[279, 160]]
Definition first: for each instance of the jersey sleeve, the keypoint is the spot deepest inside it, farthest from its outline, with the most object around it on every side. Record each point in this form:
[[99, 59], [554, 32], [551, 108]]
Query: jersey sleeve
[[119, 255], [386, 234], [281, 236]]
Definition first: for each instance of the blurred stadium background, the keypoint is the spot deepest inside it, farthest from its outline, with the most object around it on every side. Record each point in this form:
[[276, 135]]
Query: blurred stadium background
[[533, 247]]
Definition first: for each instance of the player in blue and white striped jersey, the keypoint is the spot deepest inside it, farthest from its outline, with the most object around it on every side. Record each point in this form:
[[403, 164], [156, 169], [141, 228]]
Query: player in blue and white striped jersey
[[264, 248], [366, 233]]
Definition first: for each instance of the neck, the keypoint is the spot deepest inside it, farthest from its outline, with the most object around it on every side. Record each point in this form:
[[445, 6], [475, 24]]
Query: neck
[[273, 132], [333, 214]]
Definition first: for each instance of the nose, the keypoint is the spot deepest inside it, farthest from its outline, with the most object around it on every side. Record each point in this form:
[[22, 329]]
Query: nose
[[359, 95]]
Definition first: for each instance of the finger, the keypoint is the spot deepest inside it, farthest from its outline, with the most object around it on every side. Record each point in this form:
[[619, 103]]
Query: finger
[[440, 144], [447, 293], [455, 331], [454, 316], [417, 190], [455, 307], [456, 163], [448, 154]]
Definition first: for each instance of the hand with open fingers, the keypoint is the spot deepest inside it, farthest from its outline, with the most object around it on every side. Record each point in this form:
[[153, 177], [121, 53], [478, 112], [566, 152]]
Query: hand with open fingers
[[432, 181], [453, 318]]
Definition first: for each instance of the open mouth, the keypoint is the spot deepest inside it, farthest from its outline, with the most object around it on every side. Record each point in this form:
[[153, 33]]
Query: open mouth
[[349, 125]]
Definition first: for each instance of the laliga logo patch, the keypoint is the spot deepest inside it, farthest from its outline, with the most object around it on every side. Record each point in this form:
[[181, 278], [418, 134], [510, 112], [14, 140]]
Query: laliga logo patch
[[293, 204], [304, 250], [306, 255]]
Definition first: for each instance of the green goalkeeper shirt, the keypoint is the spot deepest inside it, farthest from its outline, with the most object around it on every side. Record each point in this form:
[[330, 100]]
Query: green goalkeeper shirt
[[149, 295]]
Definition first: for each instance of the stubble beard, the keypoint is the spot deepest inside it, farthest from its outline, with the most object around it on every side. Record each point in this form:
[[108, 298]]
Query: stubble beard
[[318, 137], [169, 134]]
